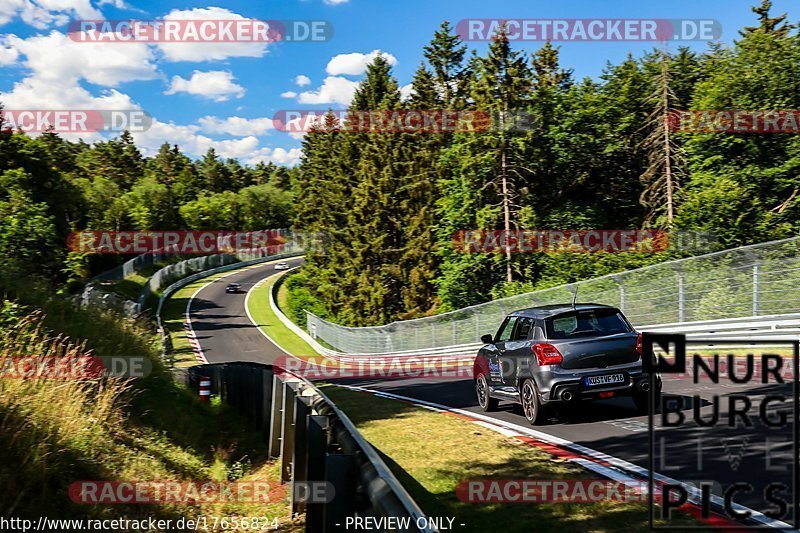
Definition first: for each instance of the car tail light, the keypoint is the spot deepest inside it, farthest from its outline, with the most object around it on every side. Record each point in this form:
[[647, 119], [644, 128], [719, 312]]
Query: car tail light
[[547, 354], [639, 344]]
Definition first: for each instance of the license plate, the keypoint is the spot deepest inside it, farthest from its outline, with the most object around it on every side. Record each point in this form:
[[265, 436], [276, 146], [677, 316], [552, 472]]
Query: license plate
[[610, 379]]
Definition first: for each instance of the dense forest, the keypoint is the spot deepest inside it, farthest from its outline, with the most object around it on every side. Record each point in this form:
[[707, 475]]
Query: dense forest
[[50, 187], [597, 157]]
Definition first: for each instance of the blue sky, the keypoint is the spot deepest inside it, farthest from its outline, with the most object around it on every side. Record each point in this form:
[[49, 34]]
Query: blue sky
[[224, 96]]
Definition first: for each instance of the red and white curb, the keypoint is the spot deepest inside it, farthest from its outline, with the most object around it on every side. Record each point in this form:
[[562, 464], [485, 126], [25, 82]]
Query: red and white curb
[[602, 464], [198, 351]]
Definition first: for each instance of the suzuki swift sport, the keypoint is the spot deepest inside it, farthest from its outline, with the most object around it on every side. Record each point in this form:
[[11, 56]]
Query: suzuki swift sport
[[561, 354]]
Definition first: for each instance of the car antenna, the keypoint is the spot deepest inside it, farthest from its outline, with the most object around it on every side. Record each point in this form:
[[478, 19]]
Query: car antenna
[[575, 299]]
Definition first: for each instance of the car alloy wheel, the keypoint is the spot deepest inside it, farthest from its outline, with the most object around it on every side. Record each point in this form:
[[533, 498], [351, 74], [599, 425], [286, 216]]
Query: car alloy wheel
[[530, 402], [485, 402]]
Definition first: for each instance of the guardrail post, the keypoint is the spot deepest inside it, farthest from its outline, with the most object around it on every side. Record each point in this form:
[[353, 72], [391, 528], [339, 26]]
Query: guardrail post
[[681, 293], [267, 379], [317, 448], [340, 472], [287, 433], [276, 418], [302, 411], [756, 274], [621, 293]]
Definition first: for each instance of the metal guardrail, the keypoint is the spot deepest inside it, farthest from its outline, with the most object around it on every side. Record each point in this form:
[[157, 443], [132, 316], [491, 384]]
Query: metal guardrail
[[318, 447]]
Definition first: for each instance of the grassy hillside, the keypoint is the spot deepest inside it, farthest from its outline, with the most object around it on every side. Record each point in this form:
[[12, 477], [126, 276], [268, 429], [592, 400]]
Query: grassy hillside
[[55, 432]]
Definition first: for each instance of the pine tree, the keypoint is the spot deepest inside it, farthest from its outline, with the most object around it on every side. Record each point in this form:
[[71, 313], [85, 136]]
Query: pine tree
[[503, 82], [216, 177], [773, 25], [445, 55], [664, 157]]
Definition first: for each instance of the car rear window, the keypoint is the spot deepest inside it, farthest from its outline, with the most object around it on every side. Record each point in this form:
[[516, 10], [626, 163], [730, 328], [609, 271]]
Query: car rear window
[[589, 323]]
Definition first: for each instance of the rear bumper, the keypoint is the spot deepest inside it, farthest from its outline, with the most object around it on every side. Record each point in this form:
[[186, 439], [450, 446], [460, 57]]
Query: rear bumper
[[558, 388]]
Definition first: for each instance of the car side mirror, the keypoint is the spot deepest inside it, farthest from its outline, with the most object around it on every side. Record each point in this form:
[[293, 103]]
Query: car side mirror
[[487, 339]]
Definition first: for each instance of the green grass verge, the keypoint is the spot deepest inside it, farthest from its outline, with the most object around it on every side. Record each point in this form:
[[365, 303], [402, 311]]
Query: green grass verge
[[430, 453], [269, 323]]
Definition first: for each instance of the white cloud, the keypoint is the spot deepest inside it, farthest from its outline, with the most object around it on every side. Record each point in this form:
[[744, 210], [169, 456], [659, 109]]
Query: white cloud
[[302, 80], [246, 149], [236, 126], [406, 91], [58, 58], [217, 85], [334, 90], [40, 93], [119, 4], [44, 13], [280, 156], [355, 63], [208, 51], [289, 94], [335, 2], [8, 54]]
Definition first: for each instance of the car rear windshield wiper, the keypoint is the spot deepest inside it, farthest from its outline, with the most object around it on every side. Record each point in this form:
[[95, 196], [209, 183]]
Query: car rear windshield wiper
[[584, 332]]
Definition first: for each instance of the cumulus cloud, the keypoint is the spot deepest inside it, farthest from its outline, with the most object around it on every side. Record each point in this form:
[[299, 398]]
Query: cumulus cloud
[[334, 90], [208, 51], [289, 94], [44, 13], [335, 2], [216, 85], [279, 156], [302, 80], [355, 63], [406, 91], [190, 141], [58, 58], [236, 126], [8, 54]]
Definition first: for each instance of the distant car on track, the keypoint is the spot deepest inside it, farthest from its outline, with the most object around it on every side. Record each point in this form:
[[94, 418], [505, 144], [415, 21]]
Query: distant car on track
[[233, 288], [282, 266], [561, 354]]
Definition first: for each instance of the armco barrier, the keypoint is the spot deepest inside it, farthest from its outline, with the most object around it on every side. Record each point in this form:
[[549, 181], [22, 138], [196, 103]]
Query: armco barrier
[[317, 444], [188, 279]]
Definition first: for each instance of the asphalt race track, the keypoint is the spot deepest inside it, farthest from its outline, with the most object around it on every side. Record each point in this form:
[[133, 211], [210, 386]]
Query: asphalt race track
[[226, 334], [221, 324]]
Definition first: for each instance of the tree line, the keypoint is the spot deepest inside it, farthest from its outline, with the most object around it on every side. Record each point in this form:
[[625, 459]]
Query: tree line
[[50, 187], [599, 155]]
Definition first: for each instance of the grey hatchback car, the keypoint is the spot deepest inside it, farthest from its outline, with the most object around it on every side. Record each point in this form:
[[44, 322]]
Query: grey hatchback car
[[561, 354]]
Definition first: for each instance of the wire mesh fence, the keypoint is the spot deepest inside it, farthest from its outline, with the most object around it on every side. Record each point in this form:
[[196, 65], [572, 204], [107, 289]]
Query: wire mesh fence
[[756, 280]]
